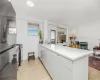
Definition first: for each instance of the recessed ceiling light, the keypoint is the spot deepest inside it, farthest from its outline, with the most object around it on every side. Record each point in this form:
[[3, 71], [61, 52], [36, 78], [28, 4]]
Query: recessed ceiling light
[[30, 3]]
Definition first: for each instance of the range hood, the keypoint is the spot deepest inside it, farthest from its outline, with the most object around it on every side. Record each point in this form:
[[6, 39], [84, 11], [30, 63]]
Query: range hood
[[4, 23]]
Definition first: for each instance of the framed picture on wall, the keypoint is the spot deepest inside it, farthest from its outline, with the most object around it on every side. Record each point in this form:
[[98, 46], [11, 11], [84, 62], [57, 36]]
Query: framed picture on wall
[[33, 29]]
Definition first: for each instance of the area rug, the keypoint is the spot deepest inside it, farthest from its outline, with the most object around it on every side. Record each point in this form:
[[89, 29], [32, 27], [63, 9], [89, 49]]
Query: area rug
[[94, 63]]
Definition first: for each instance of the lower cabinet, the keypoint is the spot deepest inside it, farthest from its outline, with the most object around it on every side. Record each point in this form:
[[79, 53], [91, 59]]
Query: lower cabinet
[[55, 65]]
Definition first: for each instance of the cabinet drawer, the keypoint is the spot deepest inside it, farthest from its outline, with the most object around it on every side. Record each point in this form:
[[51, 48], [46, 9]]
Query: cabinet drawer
[[66, 62]]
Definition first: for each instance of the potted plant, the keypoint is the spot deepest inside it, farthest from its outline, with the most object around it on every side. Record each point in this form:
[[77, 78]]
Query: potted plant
[[40, 36]]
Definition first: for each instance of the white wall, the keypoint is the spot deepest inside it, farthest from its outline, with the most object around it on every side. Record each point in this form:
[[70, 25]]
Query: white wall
[[48, 26], [88, 33], [72, 31], [30, 43]]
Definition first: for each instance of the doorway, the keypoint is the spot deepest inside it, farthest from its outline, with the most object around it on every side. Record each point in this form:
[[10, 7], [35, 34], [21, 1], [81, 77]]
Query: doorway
[[53, 36], [62, 35]]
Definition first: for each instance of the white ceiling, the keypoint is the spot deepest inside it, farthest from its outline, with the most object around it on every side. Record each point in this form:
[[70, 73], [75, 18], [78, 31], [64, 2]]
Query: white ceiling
[[6, 8], [70, 12]]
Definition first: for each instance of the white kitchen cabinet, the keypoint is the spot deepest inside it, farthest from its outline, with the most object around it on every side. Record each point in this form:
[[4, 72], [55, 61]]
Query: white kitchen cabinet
[[54, 65], [57, 67], [64, 72], [63, 68]]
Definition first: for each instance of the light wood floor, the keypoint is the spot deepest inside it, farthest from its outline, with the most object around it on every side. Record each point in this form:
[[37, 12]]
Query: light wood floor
[[34, 70]]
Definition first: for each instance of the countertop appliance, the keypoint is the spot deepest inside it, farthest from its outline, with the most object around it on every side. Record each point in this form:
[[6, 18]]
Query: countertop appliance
[[83, 45]]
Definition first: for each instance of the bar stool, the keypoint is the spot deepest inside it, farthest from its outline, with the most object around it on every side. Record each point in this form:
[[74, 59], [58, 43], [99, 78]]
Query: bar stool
[[31, 56]]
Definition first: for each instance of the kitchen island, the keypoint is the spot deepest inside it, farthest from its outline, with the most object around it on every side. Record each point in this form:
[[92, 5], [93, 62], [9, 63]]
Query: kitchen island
[[64, 63]]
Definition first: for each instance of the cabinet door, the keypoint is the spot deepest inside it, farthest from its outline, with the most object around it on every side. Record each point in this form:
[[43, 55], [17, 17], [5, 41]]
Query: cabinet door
[[64, 72], [55, 65], [47, 59], [41, 52], [43, 56], [51, 64], [57, 68], [39, 48]]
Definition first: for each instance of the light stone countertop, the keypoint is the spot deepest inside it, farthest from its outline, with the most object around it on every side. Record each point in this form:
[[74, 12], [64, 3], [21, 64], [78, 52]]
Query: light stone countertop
[[67, 52]]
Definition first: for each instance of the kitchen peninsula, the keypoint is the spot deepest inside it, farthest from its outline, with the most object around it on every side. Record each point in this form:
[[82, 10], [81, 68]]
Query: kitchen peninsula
[[64, 63]]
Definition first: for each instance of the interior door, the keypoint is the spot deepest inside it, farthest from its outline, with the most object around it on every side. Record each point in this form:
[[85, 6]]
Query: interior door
[[53, 36]]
